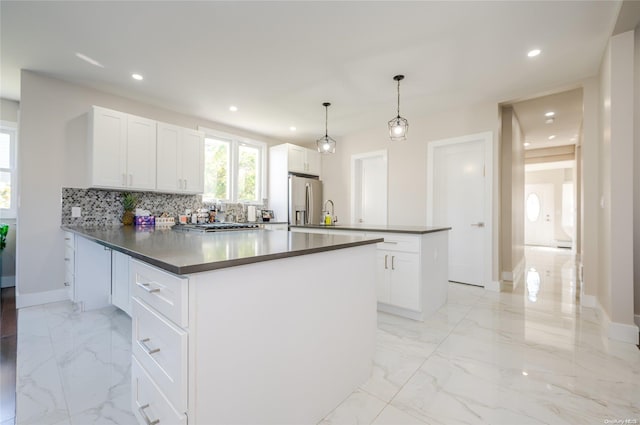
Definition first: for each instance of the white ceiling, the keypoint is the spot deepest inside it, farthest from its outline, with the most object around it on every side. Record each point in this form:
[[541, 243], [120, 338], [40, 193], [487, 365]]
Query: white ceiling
[[278, 61], [565, 128]]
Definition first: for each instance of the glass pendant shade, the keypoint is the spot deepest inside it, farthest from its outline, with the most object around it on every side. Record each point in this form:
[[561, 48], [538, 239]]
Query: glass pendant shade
[[398, 127], [326, 144]]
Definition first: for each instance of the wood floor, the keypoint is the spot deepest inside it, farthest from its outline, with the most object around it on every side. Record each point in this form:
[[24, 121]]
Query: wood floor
[[8, 339]]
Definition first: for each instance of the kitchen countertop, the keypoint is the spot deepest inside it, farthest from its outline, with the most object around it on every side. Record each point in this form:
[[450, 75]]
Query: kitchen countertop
[[189, 252], [378, 228]]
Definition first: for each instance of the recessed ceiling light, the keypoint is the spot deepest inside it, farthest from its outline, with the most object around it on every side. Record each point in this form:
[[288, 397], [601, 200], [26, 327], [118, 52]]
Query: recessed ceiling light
[[233, 108], [292, 128], [524, 373], [552, 137], [137, 77], [89, 60], [533, 53], [549, 114], [527, 144]]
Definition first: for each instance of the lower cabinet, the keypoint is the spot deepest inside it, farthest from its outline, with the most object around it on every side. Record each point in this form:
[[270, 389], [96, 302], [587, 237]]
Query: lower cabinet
[[411, 270], [159, 345], [95, 275]]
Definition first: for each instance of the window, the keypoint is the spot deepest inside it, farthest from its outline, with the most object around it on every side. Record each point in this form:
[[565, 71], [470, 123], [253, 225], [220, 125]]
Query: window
[[8, 172], [234, 168]]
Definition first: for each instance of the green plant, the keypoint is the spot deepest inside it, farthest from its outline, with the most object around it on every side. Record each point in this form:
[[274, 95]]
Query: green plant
[[4, 229], [129, 201]]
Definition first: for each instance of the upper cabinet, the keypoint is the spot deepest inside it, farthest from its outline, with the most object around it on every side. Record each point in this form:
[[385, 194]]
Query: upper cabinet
[[180, 159], [122, 150], [302, 160], [135, 153]]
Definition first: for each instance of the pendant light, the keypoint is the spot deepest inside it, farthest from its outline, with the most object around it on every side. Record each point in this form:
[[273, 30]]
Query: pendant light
[[398, 126], [326, 144]]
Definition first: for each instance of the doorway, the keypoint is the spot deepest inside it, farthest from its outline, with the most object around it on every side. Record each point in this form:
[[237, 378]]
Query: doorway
[[459, 196], [369, 188]]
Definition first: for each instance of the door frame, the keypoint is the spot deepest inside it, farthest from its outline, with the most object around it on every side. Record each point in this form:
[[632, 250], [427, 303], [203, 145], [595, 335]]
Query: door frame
[[355, 158], [487, 139]]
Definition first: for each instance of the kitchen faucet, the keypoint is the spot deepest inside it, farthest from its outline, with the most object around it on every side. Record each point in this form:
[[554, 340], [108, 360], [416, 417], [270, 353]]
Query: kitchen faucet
[[333, 218]]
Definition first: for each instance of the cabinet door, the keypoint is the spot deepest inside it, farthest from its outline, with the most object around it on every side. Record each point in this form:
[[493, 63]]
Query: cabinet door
[[69, 261], [382, 276], [296, 159], [120, 286], [93, 274], [168, 148], [314, 162], [108, 148], [192, 161], [141, 153], [405, 280]]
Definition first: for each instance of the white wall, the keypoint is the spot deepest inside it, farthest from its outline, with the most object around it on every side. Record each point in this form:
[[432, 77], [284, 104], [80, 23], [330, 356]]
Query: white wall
[[9, 113], [53, 141], [407, 163], [636, 179], [615, 291]]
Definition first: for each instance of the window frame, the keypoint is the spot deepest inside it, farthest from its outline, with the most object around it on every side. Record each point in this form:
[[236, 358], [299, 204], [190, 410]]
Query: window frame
[[235, 141], [11, 129]]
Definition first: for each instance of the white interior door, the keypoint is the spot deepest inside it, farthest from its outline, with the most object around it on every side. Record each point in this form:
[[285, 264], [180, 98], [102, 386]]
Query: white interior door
[[461, 199], [369, 188], [538, 209]]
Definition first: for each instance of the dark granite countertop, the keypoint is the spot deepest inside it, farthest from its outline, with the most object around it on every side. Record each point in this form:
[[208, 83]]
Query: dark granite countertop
[[418, 230], [190, 252]]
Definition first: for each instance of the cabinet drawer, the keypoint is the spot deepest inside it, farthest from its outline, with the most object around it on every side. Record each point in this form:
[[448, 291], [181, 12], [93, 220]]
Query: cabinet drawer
[[68, 240], [395, 242], [163, 291], [161, 347], [149, 404]]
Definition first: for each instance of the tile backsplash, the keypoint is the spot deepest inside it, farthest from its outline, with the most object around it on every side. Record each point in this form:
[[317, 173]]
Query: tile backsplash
[[104, 207]]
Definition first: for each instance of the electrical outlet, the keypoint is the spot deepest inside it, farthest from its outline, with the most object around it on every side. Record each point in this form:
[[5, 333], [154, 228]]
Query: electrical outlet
[[76, 212]]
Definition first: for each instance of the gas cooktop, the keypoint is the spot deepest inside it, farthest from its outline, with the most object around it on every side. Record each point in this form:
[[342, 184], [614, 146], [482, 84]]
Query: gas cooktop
[[216, 227]]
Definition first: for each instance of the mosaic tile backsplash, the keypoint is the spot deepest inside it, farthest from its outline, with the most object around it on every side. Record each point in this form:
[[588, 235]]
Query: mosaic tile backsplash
[[104, 207]]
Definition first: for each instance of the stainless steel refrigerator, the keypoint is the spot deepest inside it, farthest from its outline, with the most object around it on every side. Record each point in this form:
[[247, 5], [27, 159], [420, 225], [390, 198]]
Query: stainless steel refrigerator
[[305, 200]]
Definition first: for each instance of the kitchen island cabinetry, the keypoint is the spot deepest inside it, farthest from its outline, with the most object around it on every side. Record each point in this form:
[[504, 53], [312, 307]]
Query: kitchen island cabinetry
[[225, 325], [92, 275], [411, 265], [122, 150], [180, 159]]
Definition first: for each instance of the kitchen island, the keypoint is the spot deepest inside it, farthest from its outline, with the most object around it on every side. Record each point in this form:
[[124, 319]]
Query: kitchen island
[[412, 265], [256, 326]]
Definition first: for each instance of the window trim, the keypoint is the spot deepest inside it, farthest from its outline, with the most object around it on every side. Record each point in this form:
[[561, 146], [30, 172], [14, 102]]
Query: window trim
[[235, 141], [11, 128]]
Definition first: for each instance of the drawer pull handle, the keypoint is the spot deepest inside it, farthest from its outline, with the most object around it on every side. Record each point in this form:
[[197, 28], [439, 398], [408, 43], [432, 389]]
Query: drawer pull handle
[[145, 417], [147, 287], [391, 242], [393, 265], [67, 239], [385, 261], [67, 259], [143, 342]]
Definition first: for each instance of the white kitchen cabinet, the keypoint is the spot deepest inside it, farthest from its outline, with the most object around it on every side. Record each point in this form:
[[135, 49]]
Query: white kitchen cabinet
[[69, 264], [314, 162], [120, 284], [92, 274], [180, 159], [299, 159], [411, 276], [122, 150]]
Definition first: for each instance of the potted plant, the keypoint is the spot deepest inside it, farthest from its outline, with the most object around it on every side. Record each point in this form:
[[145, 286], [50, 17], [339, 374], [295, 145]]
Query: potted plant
[[4, 229], [129, 202]]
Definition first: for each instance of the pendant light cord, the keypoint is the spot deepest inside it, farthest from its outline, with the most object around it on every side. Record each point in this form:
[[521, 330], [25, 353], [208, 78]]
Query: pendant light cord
[[398, 98], [326, 121]]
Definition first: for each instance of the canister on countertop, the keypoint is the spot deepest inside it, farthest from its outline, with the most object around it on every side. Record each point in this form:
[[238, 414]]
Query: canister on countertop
[[251, 213]]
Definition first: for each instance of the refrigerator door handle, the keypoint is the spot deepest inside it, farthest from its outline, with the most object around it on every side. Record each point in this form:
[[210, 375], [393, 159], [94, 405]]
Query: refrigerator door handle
[[307, 203]]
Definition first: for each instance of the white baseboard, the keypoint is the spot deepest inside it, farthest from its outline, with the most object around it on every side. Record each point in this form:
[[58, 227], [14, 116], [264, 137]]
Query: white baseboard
[[618, 331], [39, 298], [516, 273], [493, 286], [8, 281]]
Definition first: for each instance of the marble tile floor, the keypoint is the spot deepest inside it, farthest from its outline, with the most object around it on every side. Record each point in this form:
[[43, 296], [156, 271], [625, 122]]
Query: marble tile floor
[[530, 355]]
